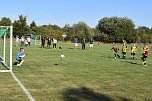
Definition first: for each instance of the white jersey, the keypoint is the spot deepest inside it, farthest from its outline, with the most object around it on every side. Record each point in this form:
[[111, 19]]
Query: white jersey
[[55, 41], [28, 39]]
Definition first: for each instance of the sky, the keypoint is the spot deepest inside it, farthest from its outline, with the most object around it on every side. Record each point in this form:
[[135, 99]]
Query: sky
[[61, 12]]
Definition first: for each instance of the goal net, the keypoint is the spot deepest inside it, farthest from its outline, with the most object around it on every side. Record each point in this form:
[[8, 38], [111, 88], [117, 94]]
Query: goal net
[[6, 48], [36, 39]]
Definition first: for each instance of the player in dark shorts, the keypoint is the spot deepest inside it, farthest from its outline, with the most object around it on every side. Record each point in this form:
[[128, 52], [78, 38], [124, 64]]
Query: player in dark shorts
[[115, 49], [145, 54]]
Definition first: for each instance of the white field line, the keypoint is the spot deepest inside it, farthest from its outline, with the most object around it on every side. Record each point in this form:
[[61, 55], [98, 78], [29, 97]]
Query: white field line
[[23, 88]]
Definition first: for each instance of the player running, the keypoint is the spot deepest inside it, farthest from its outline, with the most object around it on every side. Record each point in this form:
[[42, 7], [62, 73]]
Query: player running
[[124, 50], [145, 54], [115, 49], [133, 51]]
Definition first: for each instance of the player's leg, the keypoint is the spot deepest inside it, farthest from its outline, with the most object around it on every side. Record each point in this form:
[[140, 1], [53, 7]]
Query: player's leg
[[131, 56], [145, 62], [134, 55], [124, 55], [118, 55], [115, 55]]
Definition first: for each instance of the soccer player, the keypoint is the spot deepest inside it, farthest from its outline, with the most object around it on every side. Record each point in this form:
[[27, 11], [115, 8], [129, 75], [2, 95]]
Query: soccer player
[[115, 51], [133, 51], [145, 54], [20, 57], [124, 50]]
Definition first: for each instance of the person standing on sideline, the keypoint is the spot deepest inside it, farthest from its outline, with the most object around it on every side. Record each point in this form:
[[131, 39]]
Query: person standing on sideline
[[91, 44], [145, 54], [43, 42], [22, 41], [17, 41], [83, 44], [29, 41], [76, 43], [48, 43], [54, 43]]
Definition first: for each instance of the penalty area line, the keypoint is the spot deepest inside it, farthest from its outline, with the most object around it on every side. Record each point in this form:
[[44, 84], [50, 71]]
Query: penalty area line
[[30, 97]]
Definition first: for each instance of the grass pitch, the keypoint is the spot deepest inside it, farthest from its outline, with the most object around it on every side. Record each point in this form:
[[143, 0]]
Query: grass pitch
[[83, 75]]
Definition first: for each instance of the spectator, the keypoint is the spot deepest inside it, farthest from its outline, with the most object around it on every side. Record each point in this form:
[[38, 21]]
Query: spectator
[[43, 42], [54, 43], [83, 44]]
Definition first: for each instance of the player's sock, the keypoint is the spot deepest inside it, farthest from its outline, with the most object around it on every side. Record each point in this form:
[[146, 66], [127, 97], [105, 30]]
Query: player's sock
[[21, 62], [118, 55], [115, 56], [133, 57], [124, 56]]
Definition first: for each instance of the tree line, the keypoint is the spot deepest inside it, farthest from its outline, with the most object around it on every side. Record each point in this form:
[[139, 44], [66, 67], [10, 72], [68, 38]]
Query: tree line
[[108, 30]]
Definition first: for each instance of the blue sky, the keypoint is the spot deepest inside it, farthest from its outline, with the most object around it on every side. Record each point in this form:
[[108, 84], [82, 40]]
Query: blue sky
[[61, 12]]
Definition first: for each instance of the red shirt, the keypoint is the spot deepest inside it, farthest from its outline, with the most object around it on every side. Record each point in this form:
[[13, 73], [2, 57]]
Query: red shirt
[[146, 51]]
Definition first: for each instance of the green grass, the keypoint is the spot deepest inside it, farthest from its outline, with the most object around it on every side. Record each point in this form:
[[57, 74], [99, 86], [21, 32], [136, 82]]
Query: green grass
[[83, 75]]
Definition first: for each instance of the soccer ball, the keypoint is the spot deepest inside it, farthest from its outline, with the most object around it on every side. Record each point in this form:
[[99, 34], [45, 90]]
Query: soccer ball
[[62, 56]]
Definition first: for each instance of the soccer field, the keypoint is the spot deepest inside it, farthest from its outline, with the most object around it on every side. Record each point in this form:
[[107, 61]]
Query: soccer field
[[83, 75]]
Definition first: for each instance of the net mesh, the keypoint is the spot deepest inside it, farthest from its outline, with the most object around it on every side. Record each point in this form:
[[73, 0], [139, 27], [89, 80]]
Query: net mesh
[[4, 48]]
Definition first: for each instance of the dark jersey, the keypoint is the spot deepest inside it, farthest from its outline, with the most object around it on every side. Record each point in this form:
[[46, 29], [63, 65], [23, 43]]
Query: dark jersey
[[49, 41], [115, 49]]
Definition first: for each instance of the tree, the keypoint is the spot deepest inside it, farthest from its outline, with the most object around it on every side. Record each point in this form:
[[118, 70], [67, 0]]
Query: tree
[[145, 34], [117, 29], [81, 30], [5, 21], [52, 31], [33, 28], [67, 30], [20, 26]]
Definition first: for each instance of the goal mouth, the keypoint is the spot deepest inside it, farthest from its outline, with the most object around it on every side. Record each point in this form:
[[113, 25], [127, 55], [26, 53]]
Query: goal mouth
[[6, 48]]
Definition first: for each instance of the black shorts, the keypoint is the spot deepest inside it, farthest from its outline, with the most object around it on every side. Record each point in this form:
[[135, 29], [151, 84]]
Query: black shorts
[[124, 53], [19, 60], [144, 56], [132, 53]]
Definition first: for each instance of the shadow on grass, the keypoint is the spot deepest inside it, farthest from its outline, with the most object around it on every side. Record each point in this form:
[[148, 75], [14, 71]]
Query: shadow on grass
[[107, 57], [86, 94], [131, 62]]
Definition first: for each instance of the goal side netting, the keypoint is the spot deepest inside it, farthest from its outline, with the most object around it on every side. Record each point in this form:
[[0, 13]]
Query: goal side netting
[[6, 48], [36, 39]]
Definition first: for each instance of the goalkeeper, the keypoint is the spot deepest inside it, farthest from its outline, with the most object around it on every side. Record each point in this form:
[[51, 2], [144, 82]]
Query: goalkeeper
[[20, 57]]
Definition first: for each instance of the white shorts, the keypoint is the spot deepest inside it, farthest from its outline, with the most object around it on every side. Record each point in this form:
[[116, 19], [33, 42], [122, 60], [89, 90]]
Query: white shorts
[[76, 44], [91, 45]]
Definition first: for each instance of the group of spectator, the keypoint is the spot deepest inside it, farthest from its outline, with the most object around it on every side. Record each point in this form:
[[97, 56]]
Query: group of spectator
[[83, 43], [48, 41], [21, 41]]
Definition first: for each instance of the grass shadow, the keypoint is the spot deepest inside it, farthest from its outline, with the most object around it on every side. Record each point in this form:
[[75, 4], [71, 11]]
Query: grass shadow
[[131, 62], [86, 94], [107, 57]]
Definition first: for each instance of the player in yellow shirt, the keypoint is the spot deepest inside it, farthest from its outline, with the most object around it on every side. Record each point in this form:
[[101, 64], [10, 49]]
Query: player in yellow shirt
[[133, 51], [124, 50]]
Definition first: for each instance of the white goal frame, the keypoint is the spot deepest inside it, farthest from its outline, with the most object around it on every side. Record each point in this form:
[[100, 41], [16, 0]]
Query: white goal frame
[[4, 49]]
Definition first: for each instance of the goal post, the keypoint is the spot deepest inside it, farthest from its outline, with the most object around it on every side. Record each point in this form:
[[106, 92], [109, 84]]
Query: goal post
[[6, 34], [36, 39]]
